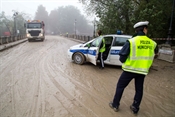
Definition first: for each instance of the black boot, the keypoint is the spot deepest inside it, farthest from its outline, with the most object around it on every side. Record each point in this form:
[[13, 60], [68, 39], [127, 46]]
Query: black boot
[[134, 109]]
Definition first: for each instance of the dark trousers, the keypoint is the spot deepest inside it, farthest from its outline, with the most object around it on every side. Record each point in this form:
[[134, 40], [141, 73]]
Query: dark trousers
[[123, 81], [101, 59]]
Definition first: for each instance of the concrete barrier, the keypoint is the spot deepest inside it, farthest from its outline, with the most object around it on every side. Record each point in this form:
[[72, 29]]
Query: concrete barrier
[[166, 52], [9, 39]]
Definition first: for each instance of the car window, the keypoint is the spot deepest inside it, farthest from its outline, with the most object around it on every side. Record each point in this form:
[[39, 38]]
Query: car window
[[108, 40], [120, 41], [96, 42]]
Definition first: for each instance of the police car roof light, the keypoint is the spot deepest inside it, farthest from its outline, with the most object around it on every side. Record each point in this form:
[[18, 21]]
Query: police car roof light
[[119, 32]]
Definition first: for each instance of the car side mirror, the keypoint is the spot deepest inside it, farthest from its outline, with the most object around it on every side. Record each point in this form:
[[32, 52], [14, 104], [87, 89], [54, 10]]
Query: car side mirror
[[88, 45]]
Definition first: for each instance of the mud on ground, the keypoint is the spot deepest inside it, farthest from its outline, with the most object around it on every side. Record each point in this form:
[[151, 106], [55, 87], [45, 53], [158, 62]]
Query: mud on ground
[[38, 80]]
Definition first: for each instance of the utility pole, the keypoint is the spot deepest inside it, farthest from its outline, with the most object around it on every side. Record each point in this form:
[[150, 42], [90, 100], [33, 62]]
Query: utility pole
[[15, 25], [94, 27], [170, 28], [75, 26]]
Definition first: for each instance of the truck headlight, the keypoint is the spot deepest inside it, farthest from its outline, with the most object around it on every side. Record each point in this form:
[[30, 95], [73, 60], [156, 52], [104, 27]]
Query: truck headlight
[[40, 34], [28, 35]]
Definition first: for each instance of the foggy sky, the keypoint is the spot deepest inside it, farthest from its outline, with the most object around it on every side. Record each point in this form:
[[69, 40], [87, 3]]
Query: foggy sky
[[30, 6]]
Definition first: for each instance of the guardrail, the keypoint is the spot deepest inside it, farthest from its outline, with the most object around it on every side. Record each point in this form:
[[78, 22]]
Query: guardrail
[[79, 37], [166, 52], [87, 38], [9, 39]]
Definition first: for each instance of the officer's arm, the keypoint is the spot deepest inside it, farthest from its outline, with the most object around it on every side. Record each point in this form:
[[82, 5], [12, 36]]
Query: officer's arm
[[124, 52], [156, 50]]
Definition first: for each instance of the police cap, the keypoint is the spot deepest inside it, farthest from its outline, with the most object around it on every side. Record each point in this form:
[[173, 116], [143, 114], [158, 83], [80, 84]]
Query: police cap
[[142, 23]]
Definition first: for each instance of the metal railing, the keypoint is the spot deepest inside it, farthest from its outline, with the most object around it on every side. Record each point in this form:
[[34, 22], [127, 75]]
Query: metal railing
[[9, 39]]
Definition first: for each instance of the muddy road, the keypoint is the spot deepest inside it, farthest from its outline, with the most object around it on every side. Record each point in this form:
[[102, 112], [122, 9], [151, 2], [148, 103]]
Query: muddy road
[[38, 80]]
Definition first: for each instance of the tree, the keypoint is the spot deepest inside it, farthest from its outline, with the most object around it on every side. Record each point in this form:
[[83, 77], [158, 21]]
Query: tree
[[5, 24], [42, 15], [62, 20], [123, 14]]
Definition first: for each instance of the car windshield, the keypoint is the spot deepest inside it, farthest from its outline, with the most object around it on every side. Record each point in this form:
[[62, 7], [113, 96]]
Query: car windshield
[[93, 43], [120, 41], [34, 25], [96, 41]]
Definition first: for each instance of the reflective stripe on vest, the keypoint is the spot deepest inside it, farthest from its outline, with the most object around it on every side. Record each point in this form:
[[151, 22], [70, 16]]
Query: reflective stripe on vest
[[141, 55]]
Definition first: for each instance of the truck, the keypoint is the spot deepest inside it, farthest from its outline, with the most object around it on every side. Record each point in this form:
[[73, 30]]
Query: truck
[[35, 30], [6, 33]]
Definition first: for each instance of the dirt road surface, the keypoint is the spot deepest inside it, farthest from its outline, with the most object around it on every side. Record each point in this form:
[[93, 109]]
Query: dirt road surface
[[38, 80]]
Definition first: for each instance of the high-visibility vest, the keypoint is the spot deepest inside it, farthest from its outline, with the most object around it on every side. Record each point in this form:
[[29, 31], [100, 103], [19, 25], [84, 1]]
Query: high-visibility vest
[[141, 55], [103, 47], [97, 41]]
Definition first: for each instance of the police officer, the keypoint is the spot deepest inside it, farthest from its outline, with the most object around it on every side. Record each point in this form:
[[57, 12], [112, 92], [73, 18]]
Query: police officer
[[102, 50], [137, 56], [67, 34]]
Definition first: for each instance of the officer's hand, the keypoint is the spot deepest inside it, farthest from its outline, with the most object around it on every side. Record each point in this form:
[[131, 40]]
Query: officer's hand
[[155, 56]]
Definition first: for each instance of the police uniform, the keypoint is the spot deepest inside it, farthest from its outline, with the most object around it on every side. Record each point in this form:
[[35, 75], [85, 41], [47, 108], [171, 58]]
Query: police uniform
[[101, 51], [137, 56]]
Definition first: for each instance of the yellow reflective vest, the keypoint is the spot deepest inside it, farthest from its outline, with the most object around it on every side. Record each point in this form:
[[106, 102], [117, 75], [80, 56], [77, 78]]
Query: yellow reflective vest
[[103, 48], [141, 55]]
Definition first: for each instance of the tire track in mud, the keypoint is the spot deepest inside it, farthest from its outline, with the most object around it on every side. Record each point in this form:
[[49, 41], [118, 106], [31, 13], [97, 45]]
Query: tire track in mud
[[69, 96], [35, 106], [12, 82], [38, 105], [55, 88], [10, 61], [26, 57], [20, 58], [71, 99], [78, 85]]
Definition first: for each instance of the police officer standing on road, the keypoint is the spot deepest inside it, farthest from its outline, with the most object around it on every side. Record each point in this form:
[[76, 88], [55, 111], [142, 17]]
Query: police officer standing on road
[[137, 57], [67, 34], [101, 50]]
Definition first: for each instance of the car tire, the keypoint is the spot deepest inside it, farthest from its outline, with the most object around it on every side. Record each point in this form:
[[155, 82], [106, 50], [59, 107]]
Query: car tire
[[78, 58]]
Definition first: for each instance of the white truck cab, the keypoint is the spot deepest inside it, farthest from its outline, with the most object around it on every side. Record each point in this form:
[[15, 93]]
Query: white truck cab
[[35, 30]]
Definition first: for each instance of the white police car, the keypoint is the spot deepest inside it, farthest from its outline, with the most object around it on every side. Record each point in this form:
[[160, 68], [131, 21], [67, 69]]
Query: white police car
[[88, 52]]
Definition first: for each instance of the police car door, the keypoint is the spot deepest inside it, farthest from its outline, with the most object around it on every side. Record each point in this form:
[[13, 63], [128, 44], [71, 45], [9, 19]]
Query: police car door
[[93, 50], [117, 45]]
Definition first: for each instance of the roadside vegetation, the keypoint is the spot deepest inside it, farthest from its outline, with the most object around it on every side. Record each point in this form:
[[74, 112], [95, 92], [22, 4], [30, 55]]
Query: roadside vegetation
[[111, 16]]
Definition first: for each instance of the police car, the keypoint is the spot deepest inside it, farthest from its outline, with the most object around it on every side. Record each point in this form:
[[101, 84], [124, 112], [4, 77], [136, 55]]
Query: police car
[[89, 51]]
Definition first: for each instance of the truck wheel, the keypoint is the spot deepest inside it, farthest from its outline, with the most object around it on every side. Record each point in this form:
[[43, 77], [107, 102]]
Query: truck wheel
[[78, 58], [29, 40]]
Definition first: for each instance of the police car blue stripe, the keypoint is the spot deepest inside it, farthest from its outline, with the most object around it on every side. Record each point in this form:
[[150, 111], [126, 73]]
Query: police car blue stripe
[[79, 50], [115, 52], [91, 52]]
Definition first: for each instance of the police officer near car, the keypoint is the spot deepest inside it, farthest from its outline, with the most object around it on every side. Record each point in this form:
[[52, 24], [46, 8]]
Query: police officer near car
[[137, 57], [101, 50]]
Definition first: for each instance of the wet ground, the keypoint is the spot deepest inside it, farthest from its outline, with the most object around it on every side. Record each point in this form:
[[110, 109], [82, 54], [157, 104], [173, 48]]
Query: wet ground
[[38, 80]]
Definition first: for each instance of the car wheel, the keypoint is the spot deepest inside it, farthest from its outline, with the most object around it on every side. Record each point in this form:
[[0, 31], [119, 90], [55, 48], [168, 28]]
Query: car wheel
[[78, 58]]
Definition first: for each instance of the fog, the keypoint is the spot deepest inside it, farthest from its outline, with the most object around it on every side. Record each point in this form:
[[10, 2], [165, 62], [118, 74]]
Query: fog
[[50, 11], [30, 6]]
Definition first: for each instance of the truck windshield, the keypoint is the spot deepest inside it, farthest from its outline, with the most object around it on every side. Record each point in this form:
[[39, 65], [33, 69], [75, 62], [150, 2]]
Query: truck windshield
[[34, 25]]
